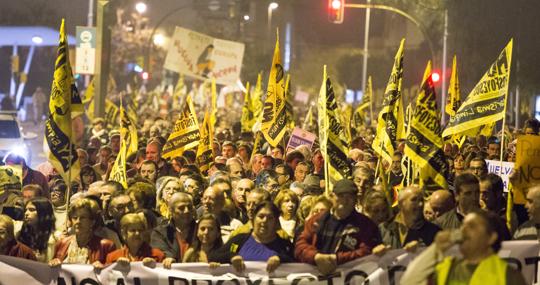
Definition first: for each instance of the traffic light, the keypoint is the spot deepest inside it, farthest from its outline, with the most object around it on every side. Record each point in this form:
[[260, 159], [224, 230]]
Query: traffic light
[[435, 77], [336, 11]]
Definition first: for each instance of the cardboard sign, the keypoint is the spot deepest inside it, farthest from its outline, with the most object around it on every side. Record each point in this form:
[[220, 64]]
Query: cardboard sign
[[527, 161]]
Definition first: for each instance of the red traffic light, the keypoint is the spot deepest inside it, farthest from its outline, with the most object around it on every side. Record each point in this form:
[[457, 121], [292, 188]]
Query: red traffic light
[[145, 75], [435, 77], [336, 11]]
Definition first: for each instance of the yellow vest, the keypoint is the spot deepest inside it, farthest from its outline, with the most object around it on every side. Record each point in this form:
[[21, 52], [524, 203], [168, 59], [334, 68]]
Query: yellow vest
[[491, 270]]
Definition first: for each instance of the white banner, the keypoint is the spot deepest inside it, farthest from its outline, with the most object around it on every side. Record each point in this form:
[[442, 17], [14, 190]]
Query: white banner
[[504, 170], [201, 56], [373, 270]]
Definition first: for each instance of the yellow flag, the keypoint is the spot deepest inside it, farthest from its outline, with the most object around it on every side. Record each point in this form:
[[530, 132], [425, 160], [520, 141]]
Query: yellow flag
[[454, 95], [332, 136], [308, 120], [487, 101], [289, 104], [257, 104], [205, 156], [64, 98], [390, 121], [118, 171], [248, 119], [274, 117], [186, 133], [128, 132], [424, 145]]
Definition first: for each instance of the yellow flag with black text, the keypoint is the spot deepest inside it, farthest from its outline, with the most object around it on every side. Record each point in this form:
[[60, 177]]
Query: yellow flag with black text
[[274, 117], [454, 94], [332, 135], [257, 103], [118, 171], [185, 135], [390, 126], [205, 156], [64, 102], [128, 132], [487, 101], [361, 113], [424, 144], [289, 103]]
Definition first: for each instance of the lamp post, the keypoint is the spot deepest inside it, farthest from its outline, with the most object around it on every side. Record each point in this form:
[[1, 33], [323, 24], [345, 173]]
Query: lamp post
[[271, 7]]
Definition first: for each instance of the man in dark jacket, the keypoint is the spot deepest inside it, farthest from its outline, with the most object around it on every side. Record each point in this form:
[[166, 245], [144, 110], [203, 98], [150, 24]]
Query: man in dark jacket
[[336, 237], [174, 237]]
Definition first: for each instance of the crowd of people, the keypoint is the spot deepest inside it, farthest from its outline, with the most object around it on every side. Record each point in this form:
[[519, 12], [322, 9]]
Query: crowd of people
[[264, 205]]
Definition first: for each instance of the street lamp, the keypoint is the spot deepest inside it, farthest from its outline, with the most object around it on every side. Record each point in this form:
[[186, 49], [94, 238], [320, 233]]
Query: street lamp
[[271, 7], [141, 7], [159, 40]]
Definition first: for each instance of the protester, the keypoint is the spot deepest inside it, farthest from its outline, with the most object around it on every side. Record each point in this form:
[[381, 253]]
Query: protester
[[207, 240], [83, 247], [341, 235], [263, 244], [37, 230], [467, 198], [166, 187], [8, 244], [287, 202], [175, 236], [409, 229], [479, 243], [136, 248], [529, 230]]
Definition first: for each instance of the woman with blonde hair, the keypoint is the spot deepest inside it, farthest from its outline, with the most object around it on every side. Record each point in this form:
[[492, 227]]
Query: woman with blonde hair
[[166, 187]]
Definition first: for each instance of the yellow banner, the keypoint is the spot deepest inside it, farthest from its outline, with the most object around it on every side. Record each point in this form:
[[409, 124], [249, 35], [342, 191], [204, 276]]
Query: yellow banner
[[128, 132], [487, 101], [274, 119], [289, 104], [454, 94], [333, 138], [257, 104], [186, 133], [205, 156], [424, 145], [118, 171], [390, 120], [64, 104]]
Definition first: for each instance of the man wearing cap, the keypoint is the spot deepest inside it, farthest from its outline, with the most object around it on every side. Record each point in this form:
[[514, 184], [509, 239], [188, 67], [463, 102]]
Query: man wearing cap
[[338, 236]]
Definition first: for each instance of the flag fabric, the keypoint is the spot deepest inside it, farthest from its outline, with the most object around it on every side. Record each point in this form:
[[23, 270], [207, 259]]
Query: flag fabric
[[308, 120], [487, 101], [248, 119], [205, 156], [390, 120], [361, 113], [257, 104], [274, 117], [118, 171], [332, 135], [424, 145], [454, 95], [185, 134], [289, 103], [128, 132], [58, 130]]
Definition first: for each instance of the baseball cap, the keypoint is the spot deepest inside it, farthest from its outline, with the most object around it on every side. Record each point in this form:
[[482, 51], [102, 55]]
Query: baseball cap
[[345, 186]]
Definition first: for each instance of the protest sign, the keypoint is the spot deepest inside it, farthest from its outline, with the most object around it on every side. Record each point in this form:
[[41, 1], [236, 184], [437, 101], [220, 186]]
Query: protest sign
[[527, 161], [504, 170], [300, 137], [201, 56], [385, 270]]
